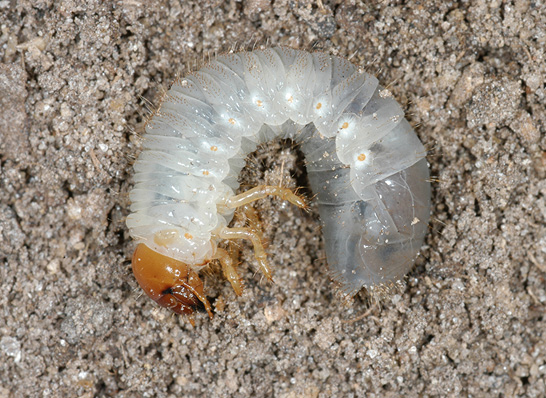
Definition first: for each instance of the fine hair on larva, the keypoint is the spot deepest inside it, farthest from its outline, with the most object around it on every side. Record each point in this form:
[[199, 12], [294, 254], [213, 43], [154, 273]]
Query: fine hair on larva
[[365, 164]]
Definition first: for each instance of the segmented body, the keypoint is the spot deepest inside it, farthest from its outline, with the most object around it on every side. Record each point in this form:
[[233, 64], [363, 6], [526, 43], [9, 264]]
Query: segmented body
[[365, 164]]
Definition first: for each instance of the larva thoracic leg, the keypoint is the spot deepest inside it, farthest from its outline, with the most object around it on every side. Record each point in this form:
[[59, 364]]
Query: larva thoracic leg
[[262, 191], [228, 267], [254, 237], [364, 161]]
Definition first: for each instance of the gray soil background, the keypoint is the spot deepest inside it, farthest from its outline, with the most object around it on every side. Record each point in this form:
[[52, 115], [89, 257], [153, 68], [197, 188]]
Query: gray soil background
[[470, 318]]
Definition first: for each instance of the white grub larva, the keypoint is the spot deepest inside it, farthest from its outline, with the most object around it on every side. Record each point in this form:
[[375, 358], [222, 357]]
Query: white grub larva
[[365, 164]]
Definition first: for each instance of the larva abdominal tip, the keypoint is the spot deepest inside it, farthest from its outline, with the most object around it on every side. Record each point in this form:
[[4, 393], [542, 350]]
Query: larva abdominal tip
[[365, 165]]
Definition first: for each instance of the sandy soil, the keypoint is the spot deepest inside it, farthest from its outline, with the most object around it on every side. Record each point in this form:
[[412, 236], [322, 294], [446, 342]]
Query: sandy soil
[[470, 321]]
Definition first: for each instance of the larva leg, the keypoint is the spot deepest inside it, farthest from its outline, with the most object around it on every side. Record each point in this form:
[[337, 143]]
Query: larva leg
[[228, 267], [260, 192], [254, 237], [233, 250], [251, 216], [252, 219]]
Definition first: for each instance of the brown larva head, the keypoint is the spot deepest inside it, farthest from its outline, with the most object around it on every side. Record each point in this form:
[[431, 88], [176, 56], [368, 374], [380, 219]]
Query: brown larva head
[[169, 282]]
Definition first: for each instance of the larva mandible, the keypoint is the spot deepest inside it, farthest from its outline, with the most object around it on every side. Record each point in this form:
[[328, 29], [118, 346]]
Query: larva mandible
[[364, 161]]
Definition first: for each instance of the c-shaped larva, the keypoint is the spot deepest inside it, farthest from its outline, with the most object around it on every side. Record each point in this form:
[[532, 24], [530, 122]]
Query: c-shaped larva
[[365, 164]]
